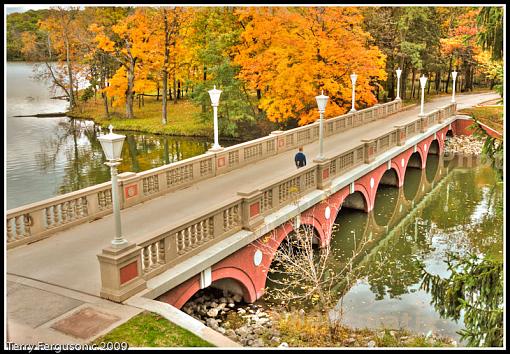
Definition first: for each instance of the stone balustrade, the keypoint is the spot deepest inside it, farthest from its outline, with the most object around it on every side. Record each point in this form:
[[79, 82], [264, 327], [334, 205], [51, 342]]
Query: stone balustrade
[[165, 248], [35, 221], [32, 222]]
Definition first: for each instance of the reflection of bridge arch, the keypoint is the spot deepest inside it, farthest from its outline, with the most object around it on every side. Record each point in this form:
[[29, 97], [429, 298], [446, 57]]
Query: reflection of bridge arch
[[407, 217]]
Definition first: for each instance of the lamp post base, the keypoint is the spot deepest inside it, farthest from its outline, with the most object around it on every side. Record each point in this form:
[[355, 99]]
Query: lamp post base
[[119, 243], [352, 110], [215, 148], [319, 159]]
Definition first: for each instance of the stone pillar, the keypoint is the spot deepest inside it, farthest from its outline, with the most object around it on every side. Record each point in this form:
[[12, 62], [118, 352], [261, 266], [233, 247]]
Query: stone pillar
[[121, 272], [401, 134], [279, 141], [441, 115], [423, 123], [370, 149], [323, 177], [251, 209]]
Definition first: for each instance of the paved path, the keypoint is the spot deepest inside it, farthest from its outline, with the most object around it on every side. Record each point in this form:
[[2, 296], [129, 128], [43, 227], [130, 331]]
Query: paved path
[[68, 259], [39, 312]]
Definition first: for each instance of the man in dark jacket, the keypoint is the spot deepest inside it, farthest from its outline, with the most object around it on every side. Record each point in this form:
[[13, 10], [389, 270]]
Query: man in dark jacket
[[300, 158]]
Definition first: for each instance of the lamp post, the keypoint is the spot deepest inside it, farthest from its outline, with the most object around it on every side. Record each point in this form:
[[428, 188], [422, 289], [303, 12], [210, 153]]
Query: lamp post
[[399, 72], [454, 76], [112, 148], [353, 80], [215, 100], [321, 103], [423, 81]]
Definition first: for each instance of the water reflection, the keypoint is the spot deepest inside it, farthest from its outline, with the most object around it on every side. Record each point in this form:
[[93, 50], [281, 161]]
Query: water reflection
[[76, 143], [454, 209]]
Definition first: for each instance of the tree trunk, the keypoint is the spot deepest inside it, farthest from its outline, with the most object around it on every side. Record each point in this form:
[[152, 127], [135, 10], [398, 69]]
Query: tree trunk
[[72, 101], [449, 73], [413, 72], [205, 79], [428, 83], [105, 100], [129, 90], [404, 81], [438, 81]]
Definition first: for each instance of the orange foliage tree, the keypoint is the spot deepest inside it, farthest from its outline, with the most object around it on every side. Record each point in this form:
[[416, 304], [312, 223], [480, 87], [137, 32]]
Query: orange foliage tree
[[291, 54], [131, 43]]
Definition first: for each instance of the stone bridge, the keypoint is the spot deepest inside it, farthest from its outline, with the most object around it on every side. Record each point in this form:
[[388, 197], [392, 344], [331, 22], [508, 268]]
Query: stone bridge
[[199, 222]]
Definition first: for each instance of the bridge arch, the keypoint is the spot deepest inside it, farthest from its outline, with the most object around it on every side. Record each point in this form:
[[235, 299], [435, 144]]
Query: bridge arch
[[413, 177], [434, 148], [232, 278], [433, 161], [386, 197]]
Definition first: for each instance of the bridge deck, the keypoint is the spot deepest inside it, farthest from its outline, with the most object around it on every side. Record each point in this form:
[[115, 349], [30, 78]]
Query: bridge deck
[[68, 258]]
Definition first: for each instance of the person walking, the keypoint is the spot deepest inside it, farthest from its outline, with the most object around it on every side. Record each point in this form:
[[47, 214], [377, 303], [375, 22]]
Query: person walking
[[300, 158]]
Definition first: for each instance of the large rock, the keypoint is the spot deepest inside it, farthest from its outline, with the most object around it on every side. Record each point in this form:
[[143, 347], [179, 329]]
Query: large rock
[[213, 312], [258, 343], [231, 333], [242, 331], [211, 322]]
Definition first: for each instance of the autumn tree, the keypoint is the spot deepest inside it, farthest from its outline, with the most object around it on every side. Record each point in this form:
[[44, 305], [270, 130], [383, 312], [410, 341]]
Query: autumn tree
[[291, 54], [102, 66], [215, 33], [129, 42], [166, 54], [490, 34], [58, 48]]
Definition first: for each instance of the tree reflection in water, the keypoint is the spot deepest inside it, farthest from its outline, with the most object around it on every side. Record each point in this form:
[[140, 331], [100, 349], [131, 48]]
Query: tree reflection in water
[[75, 147]]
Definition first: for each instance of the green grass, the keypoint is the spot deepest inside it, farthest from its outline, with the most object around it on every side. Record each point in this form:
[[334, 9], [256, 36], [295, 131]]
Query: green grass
[[148, 329], [182, 118], [491, 116]]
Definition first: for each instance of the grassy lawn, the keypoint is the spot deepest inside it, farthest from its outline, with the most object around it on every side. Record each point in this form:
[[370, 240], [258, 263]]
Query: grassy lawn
[[182, 117], [151, 330], [491, 116]]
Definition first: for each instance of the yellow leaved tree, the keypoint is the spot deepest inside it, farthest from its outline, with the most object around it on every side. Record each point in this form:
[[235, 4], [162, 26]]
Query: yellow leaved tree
[[290, 54]]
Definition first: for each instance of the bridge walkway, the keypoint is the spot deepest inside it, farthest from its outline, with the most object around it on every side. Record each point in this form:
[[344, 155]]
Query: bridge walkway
[[68, 258]]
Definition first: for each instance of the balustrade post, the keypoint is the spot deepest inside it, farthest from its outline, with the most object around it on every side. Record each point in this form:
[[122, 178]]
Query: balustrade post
[[323, 177], [441, 115], [121, 272], [370, 149], [423, 123], [401, 134], [251, 209]]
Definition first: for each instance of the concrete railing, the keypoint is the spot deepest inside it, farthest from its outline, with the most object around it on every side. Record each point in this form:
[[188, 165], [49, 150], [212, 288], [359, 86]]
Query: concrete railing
[[38, 220], [32, 222], [164, 248]]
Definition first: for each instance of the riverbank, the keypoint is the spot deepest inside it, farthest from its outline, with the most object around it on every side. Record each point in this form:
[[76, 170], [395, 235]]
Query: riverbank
[[182, 119], [492, 116], [255, 325]]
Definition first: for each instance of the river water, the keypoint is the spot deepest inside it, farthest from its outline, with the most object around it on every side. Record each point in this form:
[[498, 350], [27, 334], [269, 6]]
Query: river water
[[46, 157], [453, 205]]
